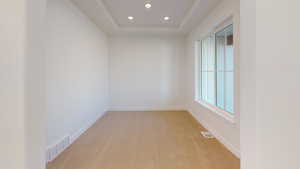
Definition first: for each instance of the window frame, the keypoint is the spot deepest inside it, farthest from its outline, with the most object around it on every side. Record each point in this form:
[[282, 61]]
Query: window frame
[[198, 68]]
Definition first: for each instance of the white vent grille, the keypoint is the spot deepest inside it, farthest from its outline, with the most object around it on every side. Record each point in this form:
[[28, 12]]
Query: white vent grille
[[55, 150], [207, 134]]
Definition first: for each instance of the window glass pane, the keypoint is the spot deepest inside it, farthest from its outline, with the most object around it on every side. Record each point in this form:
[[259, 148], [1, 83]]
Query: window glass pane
[[211, 88], [229, 49], [229, 84], [203, 70], [208, 70], [221, 90], [229, 67], [199, 72], [220, 56], [204, 56], [211, 71], [204, 86], [225, 66]]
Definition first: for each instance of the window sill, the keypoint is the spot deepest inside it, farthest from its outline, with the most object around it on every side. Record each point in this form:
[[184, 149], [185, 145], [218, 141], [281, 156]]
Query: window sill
[[227, 116]]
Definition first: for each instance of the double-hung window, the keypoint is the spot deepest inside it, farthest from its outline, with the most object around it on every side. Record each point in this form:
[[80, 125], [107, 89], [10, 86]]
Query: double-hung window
[[215, 71]]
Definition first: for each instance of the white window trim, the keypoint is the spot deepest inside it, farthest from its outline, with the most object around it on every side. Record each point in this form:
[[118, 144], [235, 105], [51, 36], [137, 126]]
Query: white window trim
[[224, 114]]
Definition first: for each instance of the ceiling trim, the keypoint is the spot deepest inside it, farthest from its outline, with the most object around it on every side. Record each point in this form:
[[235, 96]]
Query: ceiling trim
[[99, 13], [108, 14], [189, 14], [176, 29]]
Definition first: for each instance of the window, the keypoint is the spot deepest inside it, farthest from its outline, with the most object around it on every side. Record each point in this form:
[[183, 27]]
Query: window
[[216, 70]]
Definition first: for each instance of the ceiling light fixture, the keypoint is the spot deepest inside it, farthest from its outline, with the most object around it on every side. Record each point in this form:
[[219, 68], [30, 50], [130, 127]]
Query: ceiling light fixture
[[130, 17], [148, 5], [166, 18]]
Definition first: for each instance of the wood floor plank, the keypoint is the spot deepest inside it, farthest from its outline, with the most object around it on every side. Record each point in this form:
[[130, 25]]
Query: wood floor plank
[[145, 140]]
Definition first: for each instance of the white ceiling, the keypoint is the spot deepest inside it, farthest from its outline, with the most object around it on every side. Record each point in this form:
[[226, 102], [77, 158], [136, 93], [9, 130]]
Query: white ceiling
[[153, 17], [111, 15]]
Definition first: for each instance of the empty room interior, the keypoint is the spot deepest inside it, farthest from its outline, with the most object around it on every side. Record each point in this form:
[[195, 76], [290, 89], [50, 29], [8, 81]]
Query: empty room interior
[[149, 84]]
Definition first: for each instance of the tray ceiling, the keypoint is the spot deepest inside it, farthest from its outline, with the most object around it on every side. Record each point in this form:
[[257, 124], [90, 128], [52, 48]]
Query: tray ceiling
[[112, 15], [152, 17]]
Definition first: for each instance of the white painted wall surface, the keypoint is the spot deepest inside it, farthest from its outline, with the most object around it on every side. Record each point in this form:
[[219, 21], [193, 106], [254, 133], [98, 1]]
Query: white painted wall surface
[[147, 72], [273, 60], [76, 71], [225, 131], [22, 141], [248, 119], [35, 118], [12, 55]]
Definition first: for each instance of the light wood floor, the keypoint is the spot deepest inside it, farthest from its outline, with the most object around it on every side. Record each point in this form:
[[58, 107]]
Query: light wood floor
[[145, 140]]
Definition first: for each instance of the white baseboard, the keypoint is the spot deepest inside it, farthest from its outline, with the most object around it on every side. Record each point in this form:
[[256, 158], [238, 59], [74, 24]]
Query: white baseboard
[[79, 132], [226, 143], [54, 150], [147, 108]]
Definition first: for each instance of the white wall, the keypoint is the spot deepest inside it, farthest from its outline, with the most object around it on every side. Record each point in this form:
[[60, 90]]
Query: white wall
[[21, 142], [225, 131], [76, 71], [248, 131], [270, 44], [146, 72], [35, 118], [12, 51]]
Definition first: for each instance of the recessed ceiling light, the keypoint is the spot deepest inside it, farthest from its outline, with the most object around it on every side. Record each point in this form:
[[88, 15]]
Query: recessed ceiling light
[[130, 17], [148, 5], [166, 18]]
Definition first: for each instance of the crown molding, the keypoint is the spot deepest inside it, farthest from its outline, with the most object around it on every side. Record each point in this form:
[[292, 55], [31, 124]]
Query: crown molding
[[108, 14], [99, 13], [189, 14], [119, 28]]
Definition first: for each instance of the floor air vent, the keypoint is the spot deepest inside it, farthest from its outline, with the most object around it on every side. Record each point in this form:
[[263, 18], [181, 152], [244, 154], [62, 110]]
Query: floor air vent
[[207, 134]]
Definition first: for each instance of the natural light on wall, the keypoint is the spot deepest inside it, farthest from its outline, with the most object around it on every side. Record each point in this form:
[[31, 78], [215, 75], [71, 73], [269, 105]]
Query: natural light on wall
[[216, 70]]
